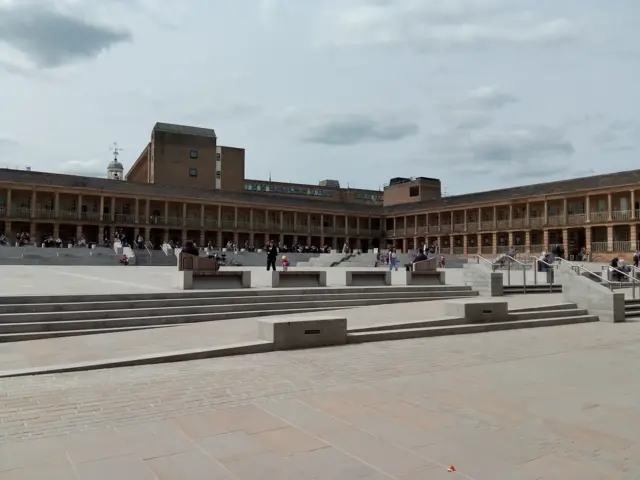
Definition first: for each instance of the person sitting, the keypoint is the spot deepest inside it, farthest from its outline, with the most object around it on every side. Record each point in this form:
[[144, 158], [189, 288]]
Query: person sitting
[[191, 249], [420, 256], [124, 260]]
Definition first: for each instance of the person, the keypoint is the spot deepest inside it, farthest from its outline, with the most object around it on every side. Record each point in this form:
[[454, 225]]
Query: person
[[636, 258], [124, 260], [191, 249], [420, 256], [285, 263], [393, 259], [272, 254]]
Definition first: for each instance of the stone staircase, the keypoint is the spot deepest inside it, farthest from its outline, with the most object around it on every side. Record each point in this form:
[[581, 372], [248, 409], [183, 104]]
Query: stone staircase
[[29, 318], [632, 309], [539, 288], [531, 317]]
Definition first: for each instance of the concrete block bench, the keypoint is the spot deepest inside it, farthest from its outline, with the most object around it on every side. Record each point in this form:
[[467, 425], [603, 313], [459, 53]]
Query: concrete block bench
[[299, 278], [287, 334], [425, 277], [478, 310], [370, 278], [212, 280]]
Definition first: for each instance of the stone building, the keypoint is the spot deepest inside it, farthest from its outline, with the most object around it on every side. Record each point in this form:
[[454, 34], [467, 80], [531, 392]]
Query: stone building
[[184, 185]]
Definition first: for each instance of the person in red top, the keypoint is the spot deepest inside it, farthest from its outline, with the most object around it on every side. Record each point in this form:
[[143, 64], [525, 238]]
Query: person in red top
[[285, 263]]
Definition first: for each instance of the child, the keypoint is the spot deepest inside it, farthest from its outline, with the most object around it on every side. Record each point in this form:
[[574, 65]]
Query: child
[[285, 263], [124, 260], [442, 261]]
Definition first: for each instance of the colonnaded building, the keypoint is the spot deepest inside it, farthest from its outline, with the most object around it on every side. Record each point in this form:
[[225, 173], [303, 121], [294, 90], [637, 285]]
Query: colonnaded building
[[186, 186]]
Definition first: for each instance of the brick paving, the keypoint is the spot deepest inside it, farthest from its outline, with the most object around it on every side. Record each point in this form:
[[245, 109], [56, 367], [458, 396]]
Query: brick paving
[[552, 403]]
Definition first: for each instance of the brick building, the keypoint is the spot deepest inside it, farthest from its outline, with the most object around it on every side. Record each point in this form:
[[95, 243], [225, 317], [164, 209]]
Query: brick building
[[184, 185]]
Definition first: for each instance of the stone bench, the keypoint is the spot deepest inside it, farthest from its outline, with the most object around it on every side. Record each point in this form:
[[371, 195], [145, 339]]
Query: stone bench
[[475, 310], [212, 280], [299, 278], [288, 334], [371, 278], [426, 277]]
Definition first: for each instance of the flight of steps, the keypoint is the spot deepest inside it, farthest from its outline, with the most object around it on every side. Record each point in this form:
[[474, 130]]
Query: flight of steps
[[30, 318], [539, 288], [632, 309], [531, 317]]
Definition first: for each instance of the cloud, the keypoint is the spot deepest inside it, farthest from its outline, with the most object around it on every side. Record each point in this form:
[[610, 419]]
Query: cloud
[[86, 168], [515, 150], [50, 38], [475, 110], [441, 24], [353, 129]]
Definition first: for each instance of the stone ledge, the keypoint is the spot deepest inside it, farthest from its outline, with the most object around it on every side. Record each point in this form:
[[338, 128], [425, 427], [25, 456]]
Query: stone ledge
[[425, 277], [287, 334], [299, 278], [368, 278], [210, 280]]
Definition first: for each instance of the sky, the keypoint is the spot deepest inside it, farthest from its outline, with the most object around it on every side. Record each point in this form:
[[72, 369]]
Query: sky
[[482, 94]]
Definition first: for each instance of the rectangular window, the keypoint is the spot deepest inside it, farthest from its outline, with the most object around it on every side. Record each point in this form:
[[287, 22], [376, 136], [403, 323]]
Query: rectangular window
[[193, 154], [218, 174], [218, 157], [414, 191], [193, 172]]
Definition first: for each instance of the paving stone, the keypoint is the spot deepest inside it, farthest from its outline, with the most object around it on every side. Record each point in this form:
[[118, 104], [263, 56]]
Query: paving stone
[[191, 465], [121, 468]]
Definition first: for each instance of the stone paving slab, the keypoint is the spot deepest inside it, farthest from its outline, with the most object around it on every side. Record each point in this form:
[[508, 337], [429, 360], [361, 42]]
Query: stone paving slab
[[86, 348], [557, 403]]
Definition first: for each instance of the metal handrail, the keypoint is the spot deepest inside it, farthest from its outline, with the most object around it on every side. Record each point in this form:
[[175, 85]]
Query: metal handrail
[[524, 270], [578, 268], [632, 278], [550, 267], [480, 257]]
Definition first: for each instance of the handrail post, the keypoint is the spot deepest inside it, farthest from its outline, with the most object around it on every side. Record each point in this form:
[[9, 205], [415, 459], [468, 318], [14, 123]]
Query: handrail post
[[524, 278], [509, 272], [535, 271]]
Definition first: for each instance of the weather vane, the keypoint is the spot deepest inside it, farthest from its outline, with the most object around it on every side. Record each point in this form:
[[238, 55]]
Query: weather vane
[[116, 150]]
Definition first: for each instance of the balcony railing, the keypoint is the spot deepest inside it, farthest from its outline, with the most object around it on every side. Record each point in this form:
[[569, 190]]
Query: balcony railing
[[422, 230], [400, 232], [94, 217], [622, 246], [174, 221], [123, 218], [228, 224], [555, 220], [599, 247], [244, 225], [502, 224], [458, 250], [487, 249], [193, 222], [576, 219], [210, 222], [445, 228], [487, 225], [536, 222], [458, 227], [274, 226], [517, 222], [316, 229], [21, 212], [433, 229], [472, 250], [621, 216], [598, 217], [537, 248], [472, 227], [49, 214], [153, 220]]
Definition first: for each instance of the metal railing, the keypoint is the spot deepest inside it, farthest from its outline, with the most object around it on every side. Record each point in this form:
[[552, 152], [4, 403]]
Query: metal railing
[[486, 260], [582, 270], [550, 267], [634, 280], [523, 266], [148, 244]]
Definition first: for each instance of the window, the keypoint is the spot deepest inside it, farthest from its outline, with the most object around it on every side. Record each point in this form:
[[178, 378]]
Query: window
[[218, 157], [218, 174], [193, 172], [414, 191], [193, 154]]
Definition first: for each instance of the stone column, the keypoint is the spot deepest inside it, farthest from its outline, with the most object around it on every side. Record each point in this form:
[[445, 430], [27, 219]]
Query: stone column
[[587, 238], [415, 243], [465, 239], [404, 245], [609, 208], [184, 216], [309, 228], [235, 219], [346, 227], [494, 244], [565, 214], [101, 234], [510, 235], [633, 205], [7, 230], [464, 212], [565, 241], [479, 243], [219, 222], [610, 239], [479, 221], [113, 209], [527, 241], [34, 201], [219, 239], [451, 244], [166, 235], [545, 239], [295, 225], [546, 213], [202, 216], [394, 226], [251, 223], [322, 227], [79, 212], [78, 232], [510, 219], [202, 239], [495, 218], [633, 236], [587, 212], [527, 215], [9, 207], [101, 211], [183, 237], [137, 213]]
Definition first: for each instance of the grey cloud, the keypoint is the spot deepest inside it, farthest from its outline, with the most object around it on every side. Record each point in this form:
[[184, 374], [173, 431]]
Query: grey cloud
[[51, 38], [504, 149], [487, 98], [86, 168], [354, 129], [472, 112]]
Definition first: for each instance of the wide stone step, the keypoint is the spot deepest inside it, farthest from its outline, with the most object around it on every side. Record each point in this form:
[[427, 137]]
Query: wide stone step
[[8, 332], [203, 309], [40, 335], [377, 336], [533, 315], [257, 292], [210, 301], [519, 289]]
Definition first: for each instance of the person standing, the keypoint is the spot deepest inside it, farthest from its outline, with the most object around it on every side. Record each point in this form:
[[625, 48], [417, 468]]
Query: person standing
[[272, 254], [393, 259]]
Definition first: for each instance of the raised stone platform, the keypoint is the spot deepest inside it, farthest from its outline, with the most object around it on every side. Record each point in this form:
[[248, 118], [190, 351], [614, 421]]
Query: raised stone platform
[[478, 310], [298, 279], [371, 278], [212, 280], [433, 277], [287, 334]]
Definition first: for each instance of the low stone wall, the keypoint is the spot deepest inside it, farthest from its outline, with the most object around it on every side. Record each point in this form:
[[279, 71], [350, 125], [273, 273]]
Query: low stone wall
[[368, 278], [486, 282], [299, 278], [594, 297]]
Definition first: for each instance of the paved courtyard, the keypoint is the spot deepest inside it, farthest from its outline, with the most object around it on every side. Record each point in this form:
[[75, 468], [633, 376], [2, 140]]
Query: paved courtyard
[[552, 403]]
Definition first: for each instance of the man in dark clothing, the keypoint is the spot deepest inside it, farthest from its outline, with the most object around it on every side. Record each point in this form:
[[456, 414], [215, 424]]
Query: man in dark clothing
[[191, 249], [272, 254]]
